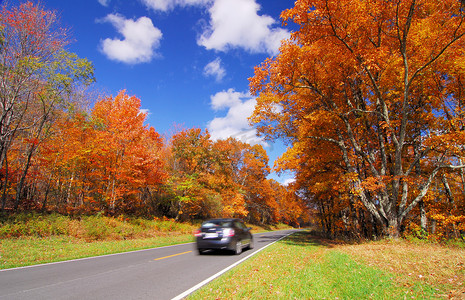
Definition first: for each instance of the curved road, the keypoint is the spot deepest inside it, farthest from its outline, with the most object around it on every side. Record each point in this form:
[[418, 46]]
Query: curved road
[[159, 273]]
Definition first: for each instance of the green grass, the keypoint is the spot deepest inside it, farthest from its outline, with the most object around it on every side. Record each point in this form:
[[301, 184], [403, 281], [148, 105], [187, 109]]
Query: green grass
[[33, 250], [300, 268]]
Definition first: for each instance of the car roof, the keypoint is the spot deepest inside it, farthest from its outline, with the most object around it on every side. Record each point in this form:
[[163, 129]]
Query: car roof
[[223, 219]]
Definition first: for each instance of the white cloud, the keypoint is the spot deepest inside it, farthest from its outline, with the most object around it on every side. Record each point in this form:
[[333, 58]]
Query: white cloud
[[140, 39], [145, 111], [215, 69], [233, 24], [167, 5], [104, 2], [288, 181], [227, 99], [236, 24], [235, 124]]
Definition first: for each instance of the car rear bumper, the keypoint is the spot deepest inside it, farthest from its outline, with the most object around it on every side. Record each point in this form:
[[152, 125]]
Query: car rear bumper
[[224, 243]]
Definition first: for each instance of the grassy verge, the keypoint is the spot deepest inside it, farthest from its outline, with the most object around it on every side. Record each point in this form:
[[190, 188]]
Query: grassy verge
[[416, 262], [33, 250], [301, 267]]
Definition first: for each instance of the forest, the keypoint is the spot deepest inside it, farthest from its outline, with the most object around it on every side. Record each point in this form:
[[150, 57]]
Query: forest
[[366, 94], [65, 148]]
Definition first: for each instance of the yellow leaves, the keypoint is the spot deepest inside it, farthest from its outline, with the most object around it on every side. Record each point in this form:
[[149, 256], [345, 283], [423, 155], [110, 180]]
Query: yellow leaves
[[266, 109], [235, 206], [351, 177], [289, 160], [320, 119], [447, 219]]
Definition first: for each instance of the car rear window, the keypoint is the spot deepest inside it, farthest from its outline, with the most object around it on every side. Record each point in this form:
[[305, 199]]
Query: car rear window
[[210, 224]]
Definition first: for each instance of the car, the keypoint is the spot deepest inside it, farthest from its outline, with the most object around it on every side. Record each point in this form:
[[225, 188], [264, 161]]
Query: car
[[223, 234]]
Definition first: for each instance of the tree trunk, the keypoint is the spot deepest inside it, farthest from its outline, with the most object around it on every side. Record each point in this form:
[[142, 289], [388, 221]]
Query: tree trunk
[[20, 187], [393, 228], [5, 184], [423, 218]]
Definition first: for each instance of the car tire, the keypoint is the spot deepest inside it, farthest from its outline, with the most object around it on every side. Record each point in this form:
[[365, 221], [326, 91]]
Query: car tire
[[238, 248], [250, 246]]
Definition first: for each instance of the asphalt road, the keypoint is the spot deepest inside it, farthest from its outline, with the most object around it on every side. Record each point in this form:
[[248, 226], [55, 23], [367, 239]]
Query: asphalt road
[[159, 273]]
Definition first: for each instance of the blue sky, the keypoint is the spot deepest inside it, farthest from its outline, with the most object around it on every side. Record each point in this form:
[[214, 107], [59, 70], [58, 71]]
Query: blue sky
[[187, 60]]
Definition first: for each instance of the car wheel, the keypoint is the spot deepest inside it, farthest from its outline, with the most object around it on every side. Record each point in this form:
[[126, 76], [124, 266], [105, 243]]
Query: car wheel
[[238, 249], [250, 246]]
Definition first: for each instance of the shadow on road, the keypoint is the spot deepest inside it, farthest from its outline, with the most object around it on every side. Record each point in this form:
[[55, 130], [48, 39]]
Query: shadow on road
[[304, 238], [215, 252], [266, 238]]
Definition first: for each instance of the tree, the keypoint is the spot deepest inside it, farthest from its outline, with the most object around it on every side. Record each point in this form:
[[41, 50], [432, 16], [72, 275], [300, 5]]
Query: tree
[[36, 75], [108, 162], [125, 154], [189, 164], [377, 83], [260, 201], [224, 178]]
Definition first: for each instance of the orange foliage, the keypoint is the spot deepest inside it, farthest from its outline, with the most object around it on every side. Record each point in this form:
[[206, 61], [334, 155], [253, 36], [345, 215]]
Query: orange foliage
[[225, 178], [369, 95], [106, 162]]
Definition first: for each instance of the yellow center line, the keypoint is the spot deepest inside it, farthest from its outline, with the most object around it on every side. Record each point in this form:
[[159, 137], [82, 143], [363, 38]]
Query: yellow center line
[[172, 255]]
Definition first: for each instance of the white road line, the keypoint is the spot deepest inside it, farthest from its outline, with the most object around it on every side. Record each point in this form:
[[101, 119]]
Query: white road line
[[198, 286]]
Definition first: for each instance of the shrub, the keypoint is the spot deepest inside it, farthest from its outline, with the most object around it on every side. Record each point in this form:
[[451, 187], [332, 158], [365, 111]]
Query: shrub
[[91, 228], [32, 224]]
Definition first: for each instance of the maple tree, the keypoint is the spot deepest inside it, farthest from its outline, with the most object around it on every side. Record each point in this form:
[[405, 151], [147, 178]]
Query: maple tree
[[260, 200], [108, 161], [369, 95]]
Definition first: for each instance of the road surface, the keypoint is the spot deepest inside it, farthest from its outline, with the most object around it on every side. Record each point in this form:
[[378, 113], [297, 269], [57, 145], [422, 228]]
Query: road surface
[[159, 273]]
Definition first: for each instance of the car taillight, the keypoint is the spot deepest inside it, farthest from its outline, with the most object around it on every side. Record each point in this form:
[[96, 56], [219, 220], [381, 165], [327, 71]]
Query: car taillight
[[198, 233], [228, 232]]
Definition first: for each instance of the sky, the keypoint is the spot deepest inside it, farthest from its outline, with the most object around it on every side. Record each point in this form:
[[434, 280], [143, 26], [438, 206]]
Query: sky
[[188, 61]]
